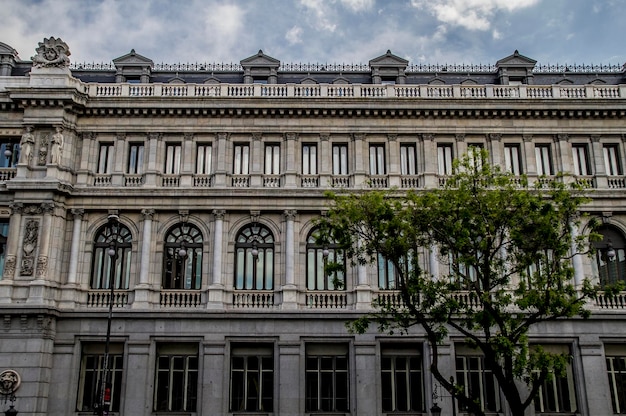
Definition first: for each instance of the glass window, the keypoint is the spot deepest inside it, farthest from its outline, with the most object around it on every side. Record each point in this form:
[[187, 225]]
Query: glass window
[[610, 264], [135, 158], [105, 158], [272, 159], [204, 156], [478, 382], [4, 234], [401, 380], [558, 394], [581, 160], [616, 370], [241, 159], [309, 159], [176, 381], [326, 380], [103, 264], [475, 156], [444, 159], [512, 159], [612, 162], [92, 374], [340, 159], [317, 257], [543, 157], [172, 158], [377, 159], [252, 379], [9, 153], [408, 165], [254, 258], [183, 258]]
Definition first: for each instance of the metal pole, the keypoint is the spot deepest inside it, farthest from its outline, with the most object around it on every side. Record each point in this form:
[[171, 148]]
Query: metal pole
[[105, 381]]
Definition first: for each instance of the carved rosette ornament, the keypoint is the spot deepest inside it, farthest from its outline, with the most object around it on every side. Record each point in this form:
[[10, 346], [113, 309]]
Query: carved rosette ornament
[[9, 382], [52, 53]]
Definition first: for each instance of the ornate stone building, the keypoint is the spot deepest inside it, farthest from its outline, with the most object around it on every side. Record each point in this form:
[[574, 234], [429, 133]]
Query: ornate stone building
[[191, 191]]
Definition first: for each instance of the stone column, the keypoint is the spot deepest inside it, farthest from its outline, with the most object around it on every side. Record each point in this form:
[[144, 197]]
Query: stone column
[[429, 156], [529, 152], [257, 157], [433, 261], [359, 156], [494, 146], [577, 261], [221, 163], [187, 168], [37, 291], [10, 260], [325, 156], [290, 295], [290, 158], [117, 171], [363, 289], [142, 290], [216, 288], [78, 214], [152, 150], [597, 163], [393, 162]]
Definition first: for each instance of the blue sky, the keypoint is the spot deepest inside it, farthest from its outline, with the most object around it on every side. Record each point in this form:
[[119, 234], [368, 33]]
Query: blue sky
[[323, 31]]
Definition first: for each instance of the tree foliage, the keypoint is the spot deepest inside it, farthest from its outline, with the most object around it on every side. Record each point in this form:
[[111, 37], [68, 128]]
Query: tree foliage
[[508, 247]]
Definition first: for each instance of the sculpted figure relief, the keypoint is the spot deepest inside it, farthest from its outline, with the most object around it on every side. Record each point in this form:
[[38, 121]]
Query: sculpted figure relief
[[52, 53], [57, 146], [27, 143]]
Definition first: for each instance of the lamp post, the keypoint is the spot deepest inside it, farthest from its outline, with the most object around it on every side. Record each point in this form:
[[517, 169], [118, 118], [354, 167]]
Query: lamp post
[[435, 410], [610, 255], [105, 382]]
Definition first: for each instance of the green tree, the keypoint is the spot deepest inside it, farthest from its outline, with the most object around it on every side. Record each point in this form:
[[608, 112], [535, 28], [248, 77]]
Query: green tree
[[509, 249]]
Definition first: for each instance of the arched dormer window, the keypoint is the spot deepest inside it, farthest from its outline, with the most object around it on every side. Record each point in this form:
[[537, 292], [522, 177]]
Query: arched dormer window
[[610, 256], [119, 239], [318, 256], [254, 258], [183, 257]]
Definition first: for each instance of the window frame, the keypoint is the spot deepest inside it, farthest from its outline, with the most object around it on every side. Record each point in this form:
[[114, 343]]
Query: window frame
[[612, 159], [338, 357], [513, 159], [316, 276], [272, 159], [414, 396], [241, 159], [543, 158], [173, 158], [135, 163], [445, 158], [580, 154], [204, 158], [377, 159], [309, 159], [488, 391], [263, 374], [106, 154], [174, 353], [617, 388], [254, 273], [183, 273], [101, 261], [340, 159], [408, 159], [13, 145], [90, 377]]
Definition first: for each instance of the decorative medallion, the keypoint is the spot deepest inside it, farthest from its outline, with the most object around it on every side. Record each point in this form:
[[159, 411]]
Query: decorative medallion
[[9, 382], [52, 53]]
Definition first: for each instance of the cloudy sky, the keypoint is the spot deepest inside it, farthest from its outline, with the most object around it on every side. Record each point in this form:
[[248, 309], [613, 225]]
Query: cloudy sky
[[322, 31]]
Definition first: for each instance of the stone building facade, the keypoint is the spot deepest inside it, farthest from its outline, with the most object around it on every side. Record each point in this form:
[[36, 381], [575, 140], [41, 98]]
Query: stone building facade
[[205, 181]]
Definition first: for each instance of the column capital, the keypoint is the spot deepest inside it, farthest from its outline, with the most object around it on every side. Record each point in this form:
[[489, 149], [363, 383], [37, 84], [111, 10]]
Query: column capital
[[222, 136], [147, 213], [495, 137], [47, 207], [78, 213], [16, 207], [291, 136], [527, 138], [428, 136], [324, 137], [257, 136], [290, 214], [218, 214]]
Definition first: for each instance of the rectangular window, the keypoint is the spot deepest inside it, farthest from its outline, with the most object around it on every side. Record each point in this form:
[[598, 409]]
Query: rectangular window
[[272, 159], [408, 164], [340, 159], [9, 153], [581, 160], [135, 158], [477, 381], [309, 159], [377, 159], [543, 155], [176, 383], [204, 159], [401, 380], [4, 235], [444, 159], [327, 381], [512, 159], [616, 370], [241, 159], [92, 374], [475, 156], [105, 158], [611, 160], [172, 158], [558, 394], [252, 379]]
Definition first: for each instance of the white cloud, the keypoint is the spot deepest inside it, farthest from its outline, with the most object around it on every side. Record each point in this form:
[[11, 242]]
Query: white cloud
[[470, 14], [358, 5], [321, 12], [294, 35]]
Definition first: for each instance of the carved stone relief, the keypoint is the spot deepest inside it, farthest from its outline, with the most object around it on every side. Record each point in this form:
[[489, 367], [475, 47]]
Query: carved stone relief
[[52, 53], [29, 246]]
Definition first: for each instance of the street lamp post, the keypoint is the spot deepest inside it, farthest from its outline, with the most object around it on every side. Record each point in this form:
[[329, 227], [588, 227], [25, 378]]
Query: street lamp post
[[105, 382]]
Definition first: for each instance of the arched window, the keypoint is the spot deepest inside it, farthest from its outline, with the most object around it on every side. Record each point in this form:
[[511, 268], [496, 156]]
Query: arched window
[[254, 262], [183, 257], [318, 256], [117, 237], [610, 256]]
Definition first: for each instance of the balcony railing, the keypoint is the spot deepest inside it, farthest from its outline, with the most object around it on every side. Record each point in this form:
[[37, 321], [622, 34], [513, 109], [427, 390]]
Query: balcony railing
[[7, 174], [604, 301], [404, 91], [180, 298], [102, 298], [253, 299], [327, 299]]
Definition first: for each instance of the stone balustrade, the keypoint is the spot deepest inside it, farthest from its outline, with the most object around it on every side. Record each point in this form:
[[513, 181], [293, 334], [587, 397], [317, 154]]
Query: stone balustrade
[[300, 91]]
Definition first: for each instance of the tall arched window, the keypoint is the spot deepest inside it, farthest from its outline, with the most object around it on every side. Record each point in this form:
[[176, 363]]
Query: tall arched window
[[183, 257], [318, 256], [119, 238], [254, 262], [610, 256]]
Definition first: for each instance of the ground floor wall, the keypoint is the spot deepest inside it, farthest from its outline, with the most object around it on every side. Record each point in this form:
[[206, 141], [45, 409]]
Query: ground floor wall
[[217, 363]]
